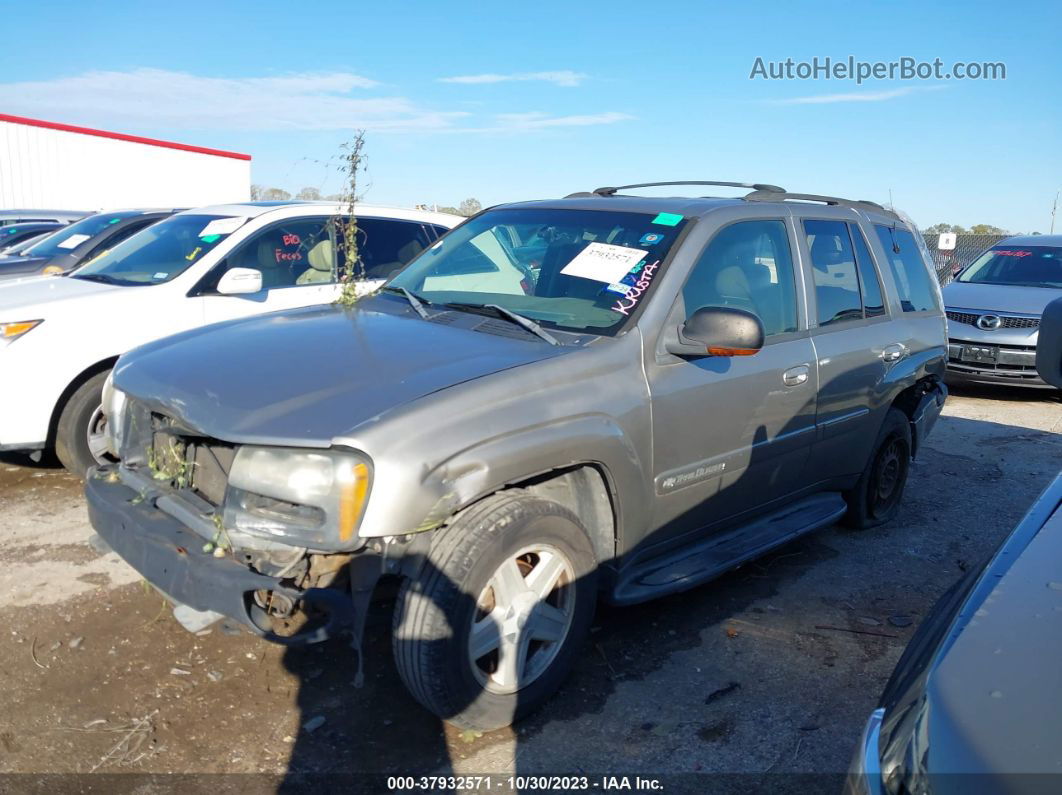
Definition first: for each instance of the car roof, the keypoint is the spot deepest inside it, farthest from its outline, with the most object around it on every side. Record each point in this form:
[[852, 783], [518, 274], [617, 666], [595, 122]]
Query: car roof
[[683, 205], [256, 209], [694, 206], [1031, 240], [32, 213]]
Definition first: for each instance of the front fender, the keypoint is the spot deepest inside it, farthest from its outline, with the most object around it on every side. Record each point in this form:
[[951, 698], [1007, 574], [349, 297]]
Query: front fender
[[515, 457]]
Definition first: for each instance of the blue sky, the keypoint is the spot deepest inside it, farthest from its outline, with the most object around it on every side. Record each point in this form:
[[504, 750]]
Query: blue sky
[[556, 97]]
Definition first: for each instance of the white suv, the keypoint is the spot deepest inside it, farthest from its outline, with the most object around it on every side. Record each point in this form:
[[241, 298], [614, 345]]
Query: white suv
[[60, 336]]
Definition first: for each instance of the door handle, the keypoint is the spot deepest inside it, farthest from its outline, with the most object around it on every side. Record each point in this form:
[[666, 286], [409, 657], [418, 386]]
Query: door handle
[[894, 352], [795, 376]]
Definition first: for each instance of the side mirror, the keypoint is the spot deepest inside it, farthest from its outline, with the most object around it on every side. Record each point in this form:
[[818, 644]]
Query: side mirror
[[1049, 344], [240, 281], [718, 331]]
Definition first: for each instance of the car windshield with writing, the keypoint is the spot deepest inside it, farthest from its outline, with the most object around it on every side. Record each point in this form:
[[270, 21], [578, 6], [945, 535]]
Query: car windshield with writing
[[1019, 266], [162, 251], [70, 237], [574, 270]]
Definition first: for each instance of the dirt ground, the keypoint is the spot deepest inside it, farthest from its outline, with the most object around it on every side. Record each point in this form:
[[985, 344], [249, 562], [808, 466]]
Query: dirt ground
[[771, 669]]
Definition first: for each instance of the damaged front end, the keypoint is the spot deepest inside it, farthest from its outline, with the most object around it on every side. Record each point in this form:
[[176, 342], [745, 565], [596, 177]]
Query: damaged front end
[[266, 536]]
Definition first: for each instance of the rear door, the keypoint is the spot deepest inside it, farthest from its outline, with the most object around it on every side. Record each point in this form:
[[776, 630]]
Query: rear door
[[732, 434], [855, 337]]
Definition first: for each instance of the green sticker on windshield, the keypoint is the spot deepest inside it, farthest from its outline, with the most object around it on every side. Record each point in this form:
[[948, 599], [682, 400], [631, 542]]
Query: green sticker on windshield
[[114, 220], [210, 238], [667, 219]]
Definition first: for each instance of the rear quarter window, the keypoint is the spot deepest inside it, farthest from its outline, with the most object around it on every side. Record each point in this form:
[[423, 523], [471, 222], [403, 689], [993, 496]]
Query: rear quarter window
[[909, 271]]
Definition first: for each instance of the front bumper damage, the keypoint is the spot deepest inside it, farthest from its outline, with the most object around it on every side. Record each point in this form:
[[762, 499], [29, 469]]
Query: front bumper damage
[[171, 556]]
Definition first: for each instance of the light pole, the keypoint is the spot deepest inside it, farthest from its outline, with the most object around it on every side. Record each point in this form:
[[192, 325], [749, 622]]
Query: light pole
[[1054, 207]]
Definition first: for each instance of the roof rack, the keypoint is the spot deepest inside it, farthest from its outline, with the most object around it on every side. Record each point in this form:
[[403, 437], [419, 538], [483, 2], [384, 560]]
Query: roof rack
[[758, 187], [833, 201]]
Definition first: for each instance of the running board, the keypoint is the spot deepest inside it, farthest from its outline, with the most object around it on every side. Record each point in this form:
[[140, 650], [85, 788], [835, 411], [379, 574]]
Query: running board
[[690, 566]]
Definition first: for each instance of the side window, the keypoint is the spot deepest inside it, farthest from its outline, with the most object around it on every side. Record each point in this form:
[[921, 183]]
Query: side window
[[290, 253], [386, 246], [747, 265], [833, 270], [873, 303], [909, 271]]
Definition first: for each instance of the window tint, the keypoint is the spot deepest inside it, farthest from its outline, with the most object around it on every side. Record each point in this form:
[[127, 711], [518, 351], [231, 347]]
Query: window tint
[[909, 271], [1023, 266], [386, 246], [833, 270], [112, 241], [162, 251], [873, 303], [294, 252], [577, 270], [747, 265], [76, 234]]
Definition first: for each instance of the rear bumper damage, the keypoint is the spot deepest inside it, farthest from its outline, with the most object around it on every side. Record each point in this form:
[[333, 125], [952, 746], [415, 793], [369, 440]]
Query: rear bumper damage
[[170, 556], [926, 413]]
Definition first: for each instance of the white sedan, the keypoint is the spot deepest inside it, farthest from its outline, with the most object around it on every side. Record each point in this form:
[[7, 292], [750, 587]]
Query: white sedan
[[60, 336]]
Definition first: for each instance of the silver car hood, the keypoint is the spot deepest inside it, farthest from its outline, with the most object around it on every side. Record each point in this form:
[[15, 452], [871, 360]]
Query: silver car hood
[[999, 297], [303, 377], [995, 692]]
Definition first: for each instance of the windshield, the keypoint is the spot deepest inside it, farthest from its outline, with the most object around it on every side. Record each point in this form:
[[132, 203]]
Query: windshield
[[577, 270], [70, 237], [1022, 266], [161, 252]]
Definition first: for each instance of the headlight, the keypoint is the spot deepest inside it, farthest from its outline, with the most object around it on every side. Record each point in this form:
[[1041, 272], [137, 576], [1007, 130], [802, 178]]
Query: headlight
[[312, 498], [113, 409], [9, 332]]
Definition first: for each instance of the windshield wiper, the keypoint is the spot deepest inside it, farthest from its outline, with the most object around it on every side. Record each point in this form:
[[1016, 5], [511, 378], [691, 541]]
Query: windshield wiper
[[510, 315], [415, 300], [103, 278]]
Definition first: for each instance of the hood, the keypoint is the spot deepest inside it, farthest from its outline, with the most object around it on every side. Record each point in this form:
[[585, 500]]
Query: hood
[[995, 693], [303, 377], [10, 267], [999, 297], [29, 293]]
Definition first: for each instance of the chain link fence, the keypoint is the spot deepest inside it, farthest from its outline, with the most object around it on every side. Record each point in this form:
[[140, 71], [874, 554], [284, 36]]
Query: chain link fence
[[967, 249]]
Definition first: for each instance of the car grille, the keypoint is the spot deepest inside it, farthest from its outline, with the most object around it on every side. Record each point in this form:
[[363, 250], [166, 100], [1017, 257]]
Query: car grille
[[1009, 321], [189, 463]]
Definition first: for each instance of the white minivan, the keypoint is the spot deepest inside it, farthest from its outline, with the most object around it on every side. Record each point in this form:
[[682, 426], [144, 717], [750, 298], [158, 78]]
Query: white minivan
[[60, 335]]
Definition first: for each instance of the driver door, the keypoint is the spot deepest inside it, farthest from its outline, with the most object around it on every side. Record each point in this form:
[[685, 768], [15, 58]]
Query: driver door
[[733, 434], [297, 261]]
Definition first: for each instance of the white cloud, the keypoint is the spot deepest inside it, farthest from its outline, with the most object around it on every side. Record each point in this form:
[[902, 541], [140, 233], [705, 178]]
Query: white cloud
[[161, 98], [538, 121], [564, 77], [861, 96]]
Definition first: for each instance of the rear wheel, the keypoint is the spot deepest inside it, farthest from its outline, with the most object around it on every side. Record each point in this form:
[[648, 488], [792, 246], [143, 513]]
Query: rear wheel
[[876, 497], [79, 437], [490, 627]]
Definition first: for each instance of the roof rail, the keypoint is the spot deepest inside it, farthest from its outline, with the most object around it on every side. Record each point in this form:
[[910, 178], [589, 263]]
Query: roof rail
[[758, 187], [835, 201]]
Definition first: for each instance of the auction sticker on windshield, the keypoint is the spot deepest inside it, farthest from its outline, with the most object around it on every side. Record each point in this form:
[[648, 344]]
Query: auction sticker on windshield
[[74, 241], [222, 226], [603, 262]]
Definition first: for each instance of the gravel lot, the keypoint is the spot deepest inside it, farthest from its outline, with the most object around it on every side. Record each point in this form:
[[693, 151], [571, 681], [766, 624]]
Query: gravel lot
[[769, 670]]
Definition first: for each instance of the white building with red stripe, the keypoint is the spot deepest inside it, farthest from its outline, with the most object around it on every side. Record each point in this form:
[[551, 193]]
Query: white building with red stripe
[[44, 164]]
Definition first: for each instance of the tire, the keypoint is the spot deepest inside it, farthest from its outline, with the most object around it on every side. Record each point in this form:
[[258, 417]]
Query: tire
[[72, 433], [504, 534], [876, 497]]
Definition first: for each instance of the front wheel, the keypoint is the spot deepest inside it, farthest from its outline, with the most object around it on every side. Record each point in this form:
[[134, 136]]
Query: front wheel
[[490, 626], [876, 497], [79, 437]]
